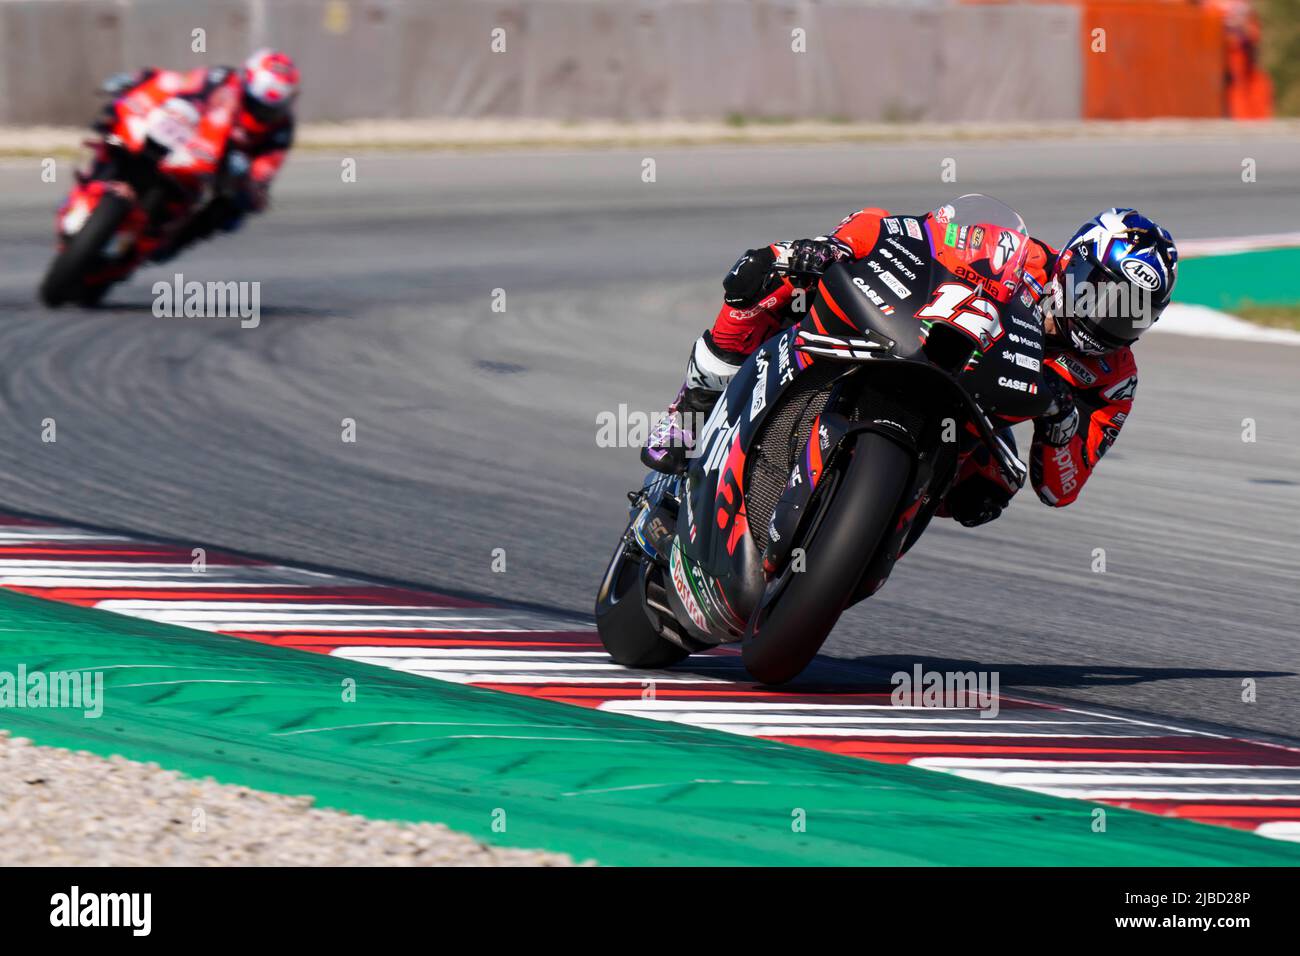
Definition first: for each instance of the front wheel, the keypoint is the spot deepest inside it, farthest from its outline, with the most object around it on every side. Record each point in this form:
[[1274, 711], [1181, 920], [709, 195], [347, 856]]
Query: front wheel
[[799, 608], [66, 279], [621, 618]]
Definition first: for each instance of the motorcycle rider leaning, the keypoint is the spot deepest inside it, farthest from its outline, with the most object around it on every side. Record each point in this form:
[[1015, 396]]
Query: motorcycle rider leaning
[[1119, 256], [261, 133]]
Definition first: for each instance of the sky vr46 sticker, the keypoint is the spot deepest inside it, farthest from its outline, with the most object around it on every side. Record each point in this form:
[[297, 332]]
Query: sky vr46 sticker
[[1024, 361], [895, 286]]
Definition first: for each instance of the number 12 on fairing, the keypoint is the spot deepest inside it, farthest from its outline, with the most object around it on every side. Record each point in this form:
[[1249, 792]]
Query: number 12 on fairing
[[963, 307]]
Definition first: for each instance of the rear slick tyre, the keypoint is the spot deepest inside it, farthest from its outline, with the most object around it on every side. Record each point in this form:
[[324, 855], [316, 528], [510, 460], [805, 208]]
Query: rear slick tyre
[[788, 628]]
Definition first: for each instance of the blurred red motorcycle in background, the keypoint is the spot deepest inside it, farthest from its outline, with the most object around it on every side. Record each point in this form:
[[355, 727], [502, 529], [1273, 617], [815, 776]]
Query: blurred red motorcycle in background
[[155, 166]]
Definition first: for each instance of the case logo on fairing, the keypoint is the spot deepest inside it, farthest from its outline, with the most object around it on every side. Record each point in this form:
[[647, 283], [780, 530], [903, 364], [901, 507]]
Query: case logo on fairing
[[1016, 385]]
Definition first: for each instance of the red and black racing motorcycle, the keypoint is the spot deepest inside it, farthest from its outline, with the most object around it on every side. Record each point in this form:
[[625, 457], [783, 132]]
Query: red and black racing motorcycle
[[154, 166], [831, 449]]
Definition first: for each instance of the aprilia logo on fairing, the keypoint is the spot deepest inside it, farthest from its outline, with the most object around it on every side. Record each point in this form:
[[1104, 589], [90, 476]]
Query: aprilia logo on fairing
[[955, 690]]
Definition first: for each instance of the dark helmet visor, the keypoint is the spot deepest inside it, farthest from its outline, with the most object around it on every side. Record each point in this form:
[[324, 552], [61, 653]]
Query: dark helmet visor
[[1113, 311]]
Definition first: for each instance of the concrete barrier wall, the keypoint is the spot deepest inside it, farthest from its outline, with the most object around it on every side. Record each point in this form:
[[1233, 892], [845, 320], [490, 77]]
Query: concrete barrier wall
[[570, 59]]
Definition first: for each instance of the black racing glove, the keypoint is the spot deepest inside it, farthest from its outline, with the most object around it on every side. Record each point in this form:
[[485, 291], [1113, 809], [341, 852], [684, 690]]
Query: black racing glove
[[809, 258], [750, 278], [976, 501], [1060, 422]]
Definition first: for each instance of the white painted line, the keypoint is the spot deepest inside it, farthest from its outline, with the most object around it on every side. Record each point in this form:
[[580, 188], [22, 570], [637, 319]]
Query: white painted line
[[1017, 779], [155, 580], [1201, 320], [650, 706], [1182, 796], [874, 717], [773, 730], [477, 654], [1280, 830], [57, 534], [1050, 765], [1195, 248], [479, 677]]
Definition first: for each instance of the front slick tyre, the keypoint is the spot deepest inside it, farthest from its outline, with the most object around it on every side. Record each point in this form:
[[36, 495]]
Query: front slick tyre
[[622, 622], [791, 623], [65, 280]]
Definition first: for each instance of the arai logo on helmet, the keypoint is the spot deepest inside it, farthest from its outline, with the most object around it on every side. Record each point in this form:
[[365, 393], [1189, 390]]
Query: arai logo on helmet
[[1141, 273]]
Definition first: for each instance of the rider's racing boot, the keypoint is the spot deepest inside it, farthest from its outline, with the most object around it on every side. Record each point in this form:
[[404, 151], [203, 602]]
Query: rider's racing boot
[[708, 372]]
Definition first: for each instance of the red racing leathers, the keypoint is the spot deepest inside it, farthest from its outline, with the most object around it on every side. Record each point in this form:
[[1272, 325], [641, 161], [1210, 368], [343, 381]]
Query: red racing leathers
[[1062, 455], [263, 146]]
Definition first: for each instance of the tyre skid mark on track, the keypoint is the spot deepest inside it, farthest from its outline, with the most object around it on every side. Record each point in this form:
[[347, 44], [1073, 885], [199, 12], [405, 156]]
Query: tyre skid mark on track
[[1085, 754]]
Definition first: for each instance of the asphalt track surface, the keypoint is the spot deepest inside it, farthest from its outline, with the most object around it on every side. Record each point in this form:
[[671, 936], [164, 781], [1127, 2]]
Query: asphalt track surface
[[476, 430]]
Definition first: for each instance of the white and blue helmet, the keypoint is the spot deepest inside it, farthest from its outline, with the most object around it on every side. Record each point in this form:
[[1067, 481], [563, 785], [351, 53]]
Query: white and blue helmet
[[1113, 279]]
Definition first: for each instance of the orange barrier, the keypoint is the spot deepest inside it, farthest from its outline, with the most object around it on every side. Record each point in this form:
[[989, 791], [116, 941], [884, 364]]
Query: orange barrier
[[1151, 60], [1168, 58]]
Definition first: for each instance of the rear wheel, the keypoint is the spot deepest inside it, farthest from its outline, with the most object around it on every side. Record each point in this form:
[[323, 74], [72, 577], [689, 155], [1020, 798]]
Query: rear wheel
[[798, 609], [65, 281], [622, 621]]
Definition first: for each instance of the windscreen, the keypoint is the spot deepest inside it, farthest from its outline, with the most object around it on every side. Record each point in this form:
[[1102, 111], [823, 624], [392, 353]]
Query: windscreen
[[982, 240]]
